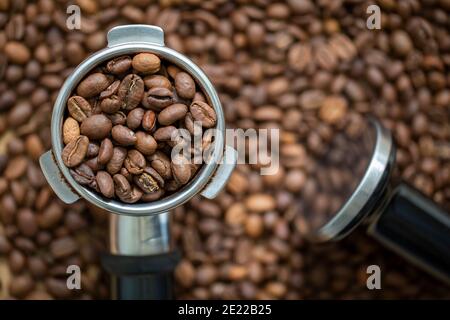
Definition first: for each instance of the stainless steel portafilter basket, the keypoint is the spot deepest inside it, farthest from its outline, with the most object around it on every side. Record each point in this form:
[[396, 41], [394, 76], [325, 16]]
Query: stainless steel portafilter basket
[[138, 230]]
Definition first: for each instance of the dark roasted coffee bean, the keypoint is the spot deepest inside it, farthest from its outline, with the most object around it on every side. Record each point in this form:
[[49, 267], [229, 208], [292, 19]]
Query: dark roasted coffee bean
[[123, 135], [149, 181], [79, 108], [93, 85], [74, 153], [105, 184], [135, 162], [116, 161], [185, 85], [145, 143], [149, 197], [105, 151], [203, 113], [119, 65], [131, 91], [21, 285], [134, 118], [149, 120], [158, 98], [172, 114], [96, 127]]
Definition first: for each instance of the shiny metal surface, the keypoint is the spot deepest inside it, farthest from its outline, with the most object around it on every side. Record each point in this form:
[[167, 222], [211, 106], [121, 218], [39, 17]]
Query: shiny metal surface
[[140, 235], [126, 40], [351, 214]]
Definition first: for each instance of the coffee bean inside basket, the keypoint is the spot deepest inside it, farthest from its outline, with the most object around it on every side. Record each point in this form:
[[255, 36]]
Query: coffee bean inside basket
[[132, 111]]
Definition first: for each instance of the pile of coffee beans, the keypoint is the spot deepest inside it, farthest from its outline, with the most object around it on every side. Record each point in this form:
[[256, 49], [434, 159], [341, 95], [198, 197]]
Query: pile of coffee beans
[[306, 67], [122, 123]]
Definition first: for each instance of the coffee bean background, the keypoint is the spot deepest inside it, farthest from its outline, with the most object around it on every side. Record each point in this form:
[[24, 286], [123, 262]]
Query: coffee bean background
[[304, 66]]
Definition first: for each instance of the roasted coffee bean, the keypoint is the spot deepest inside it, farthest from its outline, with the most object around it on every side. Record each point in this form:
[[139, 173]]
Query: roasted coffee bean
[[161, 163], [157, 81], [166, 134], [149, 120], [131, 91], [74, 152], [125, 191], [71, 130], [96, 127], [145, 143], [111, 105], [21, 285], [105, 184], [181, 169], [63, 247], [202, 112], [117, 118], [84, 175], [158, 98], [123, 135], [135, 162], [79, 108], [93, 85], [172, 114], [93, 149], [146, 63], [134, 118], [110, 91], [185, 85], [105, 152], [119, 65], [149, 181], [117, 159]]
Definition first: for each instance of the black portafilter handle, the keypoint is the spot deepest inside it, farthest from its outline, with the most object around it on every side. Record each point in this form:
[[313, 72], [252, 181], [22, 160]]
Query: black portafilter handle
[[416, 228], [142, 277]]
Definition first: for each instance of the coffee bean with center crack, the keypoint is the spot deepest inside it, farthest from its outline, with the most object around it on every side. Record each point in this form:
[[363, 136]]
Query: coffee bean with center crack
[[74, 152]]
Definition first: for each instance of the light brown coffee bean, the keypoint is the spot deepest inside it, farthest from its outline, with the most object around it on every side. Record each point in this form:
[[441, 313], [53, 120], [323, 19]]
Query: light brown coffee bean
[[74, 152], [105, 184], [172, 114], [96, 127], [166, 133], [203, 113], [146, 63], [185, 85], [71, 130], [79, 108], [123, 135], [93, 85]]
